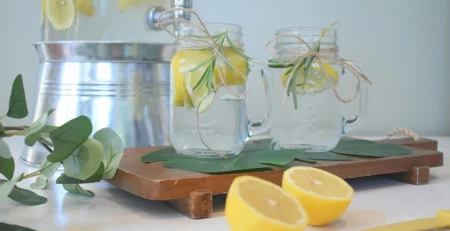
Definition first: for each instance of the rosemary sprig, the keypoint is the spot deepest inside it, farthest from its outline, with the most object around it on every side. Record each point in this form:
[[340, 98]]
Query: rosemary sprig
[[207, 77], [305, 63]]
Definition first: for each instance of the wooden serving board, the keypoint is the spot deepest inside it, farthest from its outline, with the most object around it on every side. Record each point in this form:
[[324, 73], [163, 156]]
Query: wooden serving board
[[191, 193]]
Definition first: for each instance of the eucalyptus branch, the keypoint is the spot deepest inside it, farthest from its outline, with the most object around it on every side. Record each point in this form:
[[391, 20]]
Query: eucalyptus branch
[[12, 128], [16, 133], [68, 143], [45, 145]]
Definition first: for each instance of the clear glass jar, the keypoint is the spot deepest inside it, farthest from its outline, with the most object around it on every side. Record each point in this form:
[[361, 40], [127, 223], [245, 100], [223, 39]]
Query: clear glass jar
[[222, 114], [100, 20], [311, 117]]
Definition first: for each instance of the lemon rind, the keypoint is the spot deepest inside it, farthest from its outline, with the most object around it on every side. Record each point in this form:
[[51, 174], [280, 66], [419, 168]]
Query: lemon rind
[[288, 172], [301, 222]]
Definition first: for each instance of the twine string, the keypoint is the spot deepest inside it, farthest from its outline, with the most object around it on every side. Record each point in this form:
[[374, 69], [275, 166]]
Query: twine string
[[407, 131], [319, 56], [221, 61]]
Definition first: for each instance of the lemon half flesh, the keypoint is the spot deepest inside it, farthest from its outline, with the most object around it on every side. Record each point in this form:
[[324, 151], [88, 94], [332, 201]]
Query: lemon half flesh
[[324, 196], [254, 204]]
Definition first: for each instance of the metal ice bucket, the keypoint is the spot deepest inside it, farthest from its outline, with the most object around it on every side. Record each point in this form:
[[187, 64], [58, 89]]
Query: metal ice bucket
[[124, 86]]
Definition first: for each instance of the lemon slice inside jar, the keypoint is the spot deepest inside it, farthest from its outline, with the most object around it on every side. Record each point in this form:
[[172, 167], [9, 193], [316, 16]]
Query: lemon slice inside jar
[[316, 79], [185, 80], [61, 13], [200, 97]]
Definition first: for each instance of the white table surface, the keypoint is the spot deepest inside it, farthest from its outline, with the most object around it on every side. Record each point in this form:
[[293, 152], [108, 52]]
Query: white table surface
[[377, 201]]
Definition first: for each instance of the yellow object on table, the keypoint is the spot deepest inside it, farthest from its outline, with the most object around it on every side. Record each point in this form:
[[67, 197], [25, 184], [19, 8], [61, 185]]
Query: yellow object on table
[[324, 196], [441, 220], [254, 204]]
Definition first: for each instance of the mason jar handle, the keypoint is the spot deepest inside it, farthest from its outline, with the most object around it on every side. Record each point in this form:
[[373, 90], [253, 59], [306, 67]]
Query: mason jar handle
[[263, 125], [351, 124]]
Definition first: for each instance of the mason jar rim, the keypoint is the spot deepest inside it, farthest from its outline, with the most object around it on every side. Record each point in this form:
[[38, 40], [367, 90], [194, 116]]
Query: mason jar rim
[[186, 30], [213, 26], [307, 31]]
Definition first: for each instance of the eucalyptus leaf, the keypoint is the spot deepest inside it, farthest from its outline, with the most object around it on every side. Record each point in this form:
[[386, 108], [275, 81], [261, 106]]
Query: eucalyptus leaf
[[40, 183], [17, 100], [7, 167], [12, 227], [85, 161], [33, 133], [77, 189], [5, 152], [27, 197], [113, 150], [69, 137], [2, 129], [7, 186], [48, 168], [45, 131], [97, 177], [365, 148]]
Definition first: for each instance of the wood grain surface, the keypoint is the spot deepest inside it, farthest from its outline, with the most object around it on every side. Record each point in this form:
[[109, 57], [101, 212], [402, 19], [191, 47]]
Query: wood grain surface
[[155, 182]]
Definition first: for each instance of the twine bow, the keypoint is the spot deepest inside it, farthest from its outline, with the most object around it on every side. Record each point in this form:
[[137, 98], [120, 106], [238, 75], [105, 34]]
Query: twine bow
[[302, 57], [220, 59]]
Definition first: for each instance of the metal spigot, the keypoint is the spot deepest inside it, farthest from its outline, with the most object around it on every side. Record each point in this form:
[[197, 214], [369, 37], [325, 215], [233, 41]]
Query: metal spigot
[[155, 12]]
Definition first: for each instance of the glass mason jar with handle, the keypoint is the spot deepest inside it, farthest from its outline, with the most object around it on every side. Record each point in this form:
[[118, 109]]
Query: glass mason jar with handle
[[307, 112], [207, 95]]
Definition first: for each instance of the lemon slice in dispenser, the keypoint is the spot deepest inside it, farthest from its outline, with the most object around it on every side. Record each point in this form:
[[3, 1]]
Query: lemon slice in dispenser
[[85, 7], [61, 13]]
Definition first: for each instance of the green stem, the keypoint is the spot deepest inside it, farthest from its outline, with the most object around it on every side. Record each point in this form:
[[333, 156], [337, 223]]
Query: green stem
[[36, 173], [3, 116], [33, 174], [16, 133], [12, 128]]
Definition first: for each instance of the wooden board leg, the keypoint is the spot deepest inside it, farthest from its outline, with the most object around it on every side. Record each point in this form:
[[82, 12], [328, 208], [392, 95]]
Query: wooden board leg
[[417, 176], [197, 205]]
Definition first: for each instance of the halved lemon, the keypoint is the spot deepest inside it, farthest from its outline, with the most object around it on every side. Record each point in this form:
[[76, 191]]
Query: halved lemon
[[254, 204], [323, 195], [316, 79], [61, 13]]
